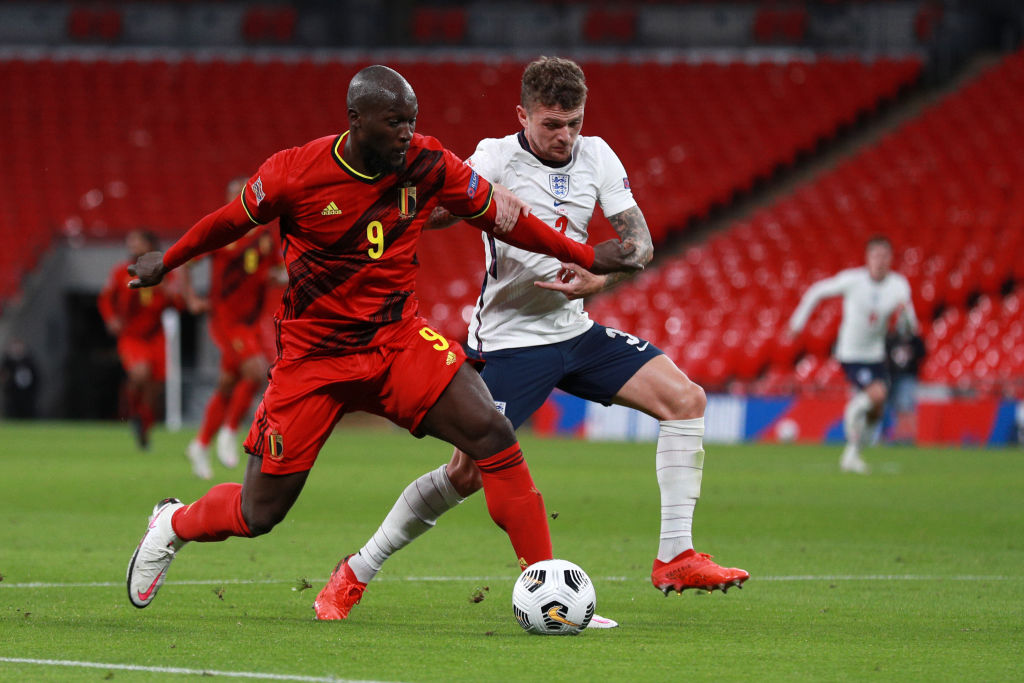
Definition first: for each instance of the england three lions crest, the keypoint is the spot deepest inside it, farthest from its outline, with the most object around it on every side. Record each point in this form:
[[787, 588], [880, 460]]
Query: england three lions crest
[[559, 183]]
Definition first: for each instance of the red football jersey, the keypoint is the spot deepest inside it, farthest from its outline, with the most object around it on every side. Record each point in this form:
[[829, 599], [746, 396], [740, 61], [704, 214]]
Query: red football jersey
[[138, 309], [239, 277], [349, 240]]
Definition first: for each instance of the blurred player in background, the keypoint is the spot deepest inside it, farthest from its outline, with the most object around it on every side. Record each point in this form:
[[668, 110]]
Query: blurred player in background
[[19, 377], [531, 334], [133, 317], [350, 336], [872, 296], [904, 352], [241, 276]]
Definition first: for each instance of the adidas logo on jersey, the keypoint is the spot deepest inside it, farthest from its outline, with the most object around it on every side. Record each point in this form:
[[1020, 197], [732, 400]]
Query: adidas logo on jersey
[[331, 210]]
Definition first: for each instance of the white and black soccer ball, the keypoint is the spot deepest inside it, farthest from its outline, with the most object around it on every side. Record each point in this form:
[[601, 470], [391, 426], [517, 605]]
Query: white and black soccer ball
[[554, 598]]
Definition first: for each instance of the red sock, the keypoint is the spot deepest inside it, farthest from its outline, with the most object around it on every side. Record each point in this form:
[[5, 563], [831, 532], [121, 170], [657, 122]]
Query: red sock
[[213, 417], [146, 415], [214, 517], [241, 399], [516, 505]]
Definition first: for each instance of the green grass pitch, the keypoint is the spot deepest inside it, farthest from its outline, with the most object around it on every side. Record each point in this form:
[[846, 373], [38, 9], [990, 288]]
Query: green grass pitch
[[912, 573]]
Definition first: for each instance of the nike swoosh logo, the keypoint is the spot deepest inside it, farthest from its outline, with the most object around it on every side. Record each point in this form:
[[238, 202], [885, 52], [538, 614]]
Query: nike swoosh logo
[[558, 203], [553, 613], [641, 348], [152, 587]]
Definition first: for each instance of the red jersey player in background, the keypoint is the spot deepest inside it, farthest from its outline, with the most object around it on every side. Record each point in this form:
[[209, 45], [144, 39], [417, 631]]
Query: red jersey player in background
[[133, 317], [350, 337], [241, 277]]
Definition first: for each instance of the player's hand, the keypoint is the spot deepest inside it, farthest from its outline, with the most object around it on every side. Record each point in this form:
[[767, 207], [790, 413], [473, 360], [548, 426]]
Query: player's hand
[[197, 304], [508, 209], [613, 256], [114, 327], [576, 282], [148, 270]]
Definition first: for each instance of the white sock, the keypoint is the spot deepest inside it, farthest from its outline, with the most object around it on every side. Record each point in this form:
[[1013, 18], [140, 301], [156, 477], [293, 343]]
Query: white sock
[[680, 465], [855, 418], [415, 511]]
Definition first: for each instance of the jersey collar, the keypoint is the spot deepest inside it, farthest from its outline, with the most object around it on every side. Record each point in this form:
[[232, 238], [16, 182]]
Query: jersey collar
[[339, 144], [524, 143]]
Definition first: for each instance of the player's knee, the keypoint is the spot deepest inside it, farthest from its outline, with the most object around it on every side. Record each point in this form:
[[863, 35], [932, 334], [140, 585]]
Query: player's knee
[[877, 393], [260, 520], [464, 476], [139, 374], [689, 402], [491, 433]]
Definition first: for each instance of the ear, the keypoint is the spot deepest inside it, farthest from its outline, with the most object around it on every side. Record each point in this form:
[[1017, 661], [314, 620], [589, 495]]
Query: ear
[[353, 118], [523, 117]]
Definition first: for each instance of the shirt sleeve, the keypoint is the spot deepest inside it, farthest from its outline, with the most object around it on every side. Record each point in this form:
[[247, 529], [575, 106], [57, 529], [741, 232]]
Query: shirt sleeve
[[486, 161], [105, 302], [466, 194], [614, 193], [265, 196], [907, 320], [822, 289]]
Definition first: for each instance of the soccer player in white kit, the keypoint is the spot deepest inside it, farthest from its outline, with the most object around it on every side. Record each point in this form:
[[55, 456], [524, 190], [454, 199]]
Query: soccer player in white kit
[[530, 333], [872, 296]]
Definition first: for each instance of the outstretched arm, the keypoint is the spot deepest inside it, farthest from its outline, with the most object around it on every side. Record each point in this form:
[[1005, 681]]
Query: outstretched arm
[[222, 227], [822, 289], [508, 210], [533, 234]]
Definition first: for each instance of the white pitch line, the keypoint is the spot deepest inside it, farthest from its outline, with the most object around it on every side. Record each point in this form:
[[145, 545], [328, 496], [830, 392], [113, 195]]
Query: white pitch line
[[456, 579], [179, 670]]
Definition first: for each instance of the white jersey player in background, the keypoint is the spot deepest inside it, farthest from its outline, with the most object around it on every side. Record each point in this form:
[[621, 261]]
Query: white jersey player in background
[[531, 334], [872, 296]]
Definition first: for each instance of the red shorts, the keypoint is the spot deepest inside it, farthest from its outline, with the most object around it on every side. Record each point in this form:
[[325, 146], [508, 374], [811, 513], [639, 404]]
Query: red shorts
[[237, 343], [400, 380], [149, 351]]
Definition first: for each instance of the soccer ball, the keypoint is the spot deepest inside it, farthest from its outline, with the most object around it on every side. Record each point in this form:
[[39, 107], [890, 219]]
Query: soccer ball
[[787, 430], [553, 598]]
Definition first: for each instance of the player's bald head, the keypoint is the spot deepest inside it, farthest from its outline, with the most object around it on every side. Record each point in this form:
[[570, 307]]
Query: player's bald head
[[378, 87]]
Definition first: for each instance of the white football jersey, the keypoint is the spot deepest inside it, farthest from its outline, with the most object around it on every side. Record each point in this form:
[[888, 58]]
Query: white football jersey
[[868, 306], [511, 311]]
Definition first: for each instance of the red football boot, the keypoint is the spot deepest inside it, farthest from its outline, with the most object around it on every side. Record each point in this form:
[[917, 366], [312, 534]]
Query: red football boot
[[342, 592], [691, 569]]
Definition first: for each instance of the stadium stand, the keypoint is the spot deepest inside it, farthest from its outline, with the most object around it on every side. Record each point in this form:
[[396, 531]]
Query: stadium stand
[[116, 160], [946, 188]]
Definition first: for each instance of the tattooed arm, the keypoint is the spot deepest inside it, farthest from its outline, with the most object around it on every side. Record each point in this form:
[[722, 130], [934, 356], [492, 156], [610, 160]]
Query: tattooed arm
[[631, 226], [577, 282]]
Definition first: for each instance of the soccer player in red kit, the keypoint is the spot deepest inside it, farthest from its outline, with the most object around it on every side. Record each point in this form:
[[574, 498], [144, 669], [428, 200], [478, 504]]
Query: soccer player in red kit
[[350, 336], [241, 276], [133, 317]]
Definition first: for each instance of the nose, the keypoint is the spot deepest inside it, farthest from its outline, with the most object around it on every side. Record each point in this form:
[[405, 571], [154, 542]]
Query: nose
[[405, 131]]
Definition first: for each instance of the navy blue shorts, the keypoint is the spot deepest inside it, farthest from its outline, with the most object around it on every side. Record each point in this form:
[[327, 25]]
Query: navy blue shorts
[[863, 374], [593, 366]]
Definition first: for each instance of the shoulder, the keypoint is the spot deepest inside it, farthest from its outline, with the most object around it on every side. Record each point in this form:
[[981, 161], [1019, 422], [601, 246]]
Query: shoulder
[[313, 152], [498, 144], [899, 280], [427, 142], [594, 144], [313, 148]]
